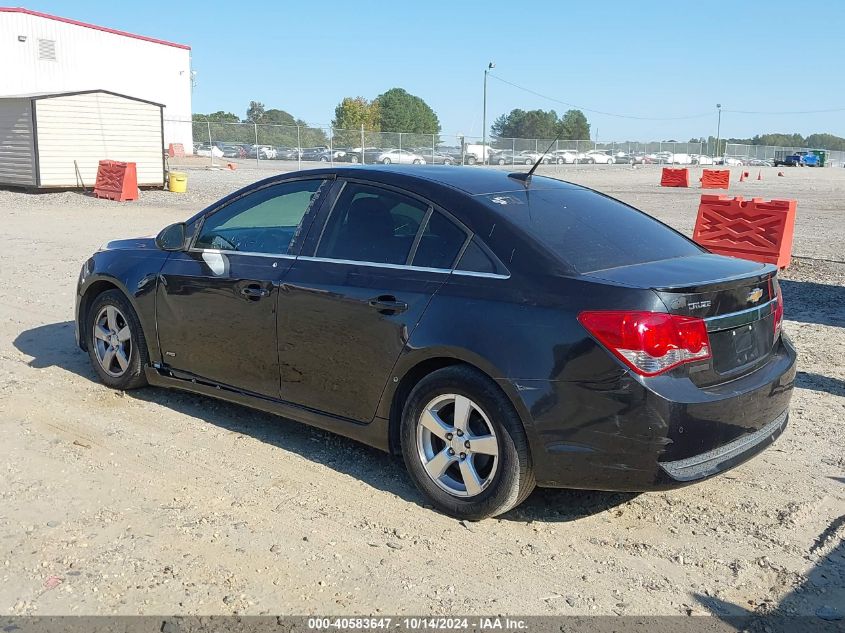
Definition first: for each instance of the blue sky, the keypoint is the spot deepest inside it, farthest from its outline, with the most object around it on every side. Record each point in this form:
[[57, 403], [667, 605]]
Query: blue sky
[[640, 59]]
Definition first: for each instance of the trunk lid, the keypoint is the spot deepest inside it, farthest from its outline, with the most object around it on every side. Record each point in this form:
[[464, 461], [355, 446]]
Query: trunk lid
[[735, 297]]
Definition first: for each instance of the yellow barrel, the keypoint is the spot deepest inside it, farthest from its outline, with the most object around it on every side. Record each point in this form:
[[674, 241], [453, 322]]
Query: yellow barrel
[[178, 182]]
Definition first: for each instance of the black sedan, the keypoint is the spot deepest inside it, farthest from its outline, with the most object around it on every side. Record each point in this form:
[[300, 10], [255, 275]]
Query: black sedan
[[497, 331]]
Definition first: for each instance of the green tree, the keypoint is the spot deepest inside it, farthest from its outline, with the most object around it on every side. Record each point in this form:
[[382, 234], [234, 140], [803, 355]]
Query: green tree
[[255, 111], [530, 124], [353, 112], [574, 126], [219, 116], [349, 115], [276, 117], [400, 111]]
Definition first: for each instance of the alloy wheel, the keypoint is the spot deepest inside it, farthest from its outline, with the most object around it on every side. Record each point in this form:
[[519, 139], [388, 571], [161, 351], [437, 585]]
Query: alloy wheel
[[457, 445], [112, 341]]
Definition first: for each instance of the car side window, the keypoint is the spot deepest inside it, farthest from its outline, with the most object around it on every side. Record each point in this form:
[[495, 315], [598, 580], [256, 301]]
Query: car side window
[[369, 224], [475, 259], [440, 243], [261, 222]]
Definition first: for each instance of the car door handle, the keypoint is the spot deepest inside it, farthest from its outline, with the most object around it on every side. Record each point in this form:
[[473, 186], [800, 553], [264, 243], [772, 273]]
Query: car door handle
[[387, 304], [254, 292]]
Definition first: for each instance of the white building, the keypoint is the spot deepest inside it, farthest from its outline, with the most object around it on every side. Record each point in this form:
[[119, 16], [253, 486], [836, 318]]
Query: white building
[[41, 53]]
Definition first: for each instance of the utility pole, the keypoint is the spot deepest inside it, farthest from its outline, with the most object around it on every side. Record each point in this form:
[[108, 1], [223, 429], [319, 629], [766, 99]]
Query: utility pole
[[490, 66], [718, 129]]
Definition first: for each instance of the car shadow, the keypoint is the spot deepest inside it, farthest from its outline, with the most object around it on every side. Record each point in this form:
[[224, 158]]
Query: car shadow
[[811, 302], [53, 345], [817, 382]]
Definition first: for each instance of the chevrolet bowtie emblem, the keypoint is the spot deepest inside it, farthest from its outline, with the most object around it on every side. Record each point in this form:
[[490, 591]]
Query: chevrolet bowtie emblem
[[755, 295]]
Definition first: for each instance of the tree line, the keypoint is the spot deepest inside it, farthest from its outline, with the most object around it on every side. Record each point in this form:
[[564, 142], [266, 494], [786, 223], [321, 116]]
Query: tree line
[[398, 111]]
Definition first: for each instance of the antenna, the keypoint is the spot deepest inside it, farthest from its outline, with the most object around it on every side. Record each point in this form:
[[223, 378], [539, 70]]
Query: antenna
[[526, 178]]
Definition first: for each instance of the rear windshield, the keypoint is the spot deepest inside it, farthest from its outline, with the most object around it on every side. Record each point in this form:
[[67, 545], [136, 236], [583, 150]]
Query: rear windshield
[[589, 231]]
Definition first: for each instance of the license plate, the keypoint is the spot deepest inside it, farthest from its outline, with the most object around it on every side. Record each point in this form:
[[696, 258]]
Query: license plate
[[745, 344]]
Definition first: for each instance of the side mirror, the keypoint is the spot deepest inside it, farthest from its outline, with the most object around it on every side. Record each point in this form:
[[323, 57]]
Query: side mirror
[[172, 238]]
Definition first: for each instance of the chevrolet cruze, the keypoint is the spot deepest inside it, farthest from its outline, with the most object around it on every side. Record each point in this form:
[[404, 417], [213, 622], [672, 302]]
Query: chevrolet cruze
[[498, 331]]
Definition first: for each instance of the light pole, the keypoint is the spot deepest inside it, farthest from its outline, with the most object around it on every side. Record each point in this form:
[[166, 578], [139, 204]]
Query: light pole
[[490, 66], [718, 129]]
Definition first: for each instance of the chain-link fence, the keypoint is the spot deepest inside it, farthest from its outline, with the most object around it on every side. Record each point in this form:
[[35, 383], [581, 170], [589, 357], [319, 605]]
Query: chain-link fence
[[302, 143]]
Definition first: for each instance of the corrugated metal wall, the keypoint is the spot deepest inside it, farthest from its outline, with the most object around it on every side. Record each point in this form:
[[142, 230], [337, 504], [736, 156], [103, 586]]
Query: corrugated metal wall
[[92, 127], [17, 162]]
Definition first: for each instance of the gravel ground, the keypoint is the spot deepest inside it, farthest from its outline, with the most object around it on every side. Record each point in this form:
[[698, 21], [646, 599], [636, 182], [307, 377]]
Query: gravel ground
[[160, 502]]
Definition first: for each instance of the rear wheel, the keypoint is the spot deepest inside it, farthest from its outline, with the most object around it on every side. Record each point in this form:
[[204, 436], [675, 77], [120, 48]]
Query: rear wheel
[[464, 444], [386, 161], [353, 159], [471, 160], [417, 161], [501, 161], [116, 344]]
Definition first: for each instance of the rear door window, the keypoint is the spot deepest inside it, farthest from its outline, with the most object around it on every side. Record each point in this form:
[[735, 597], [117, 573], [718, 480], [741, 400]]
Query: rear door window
[[440, 243], [370, 224]]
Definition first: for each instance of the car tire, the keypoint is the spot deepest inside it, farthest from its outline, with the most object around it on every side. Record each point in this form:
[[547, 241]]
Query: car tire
[[528, 161], [448, 161], [353, 159], [501, 161], [386, 161], [503, 480], [590, 161], [417, 161], [111, 312]]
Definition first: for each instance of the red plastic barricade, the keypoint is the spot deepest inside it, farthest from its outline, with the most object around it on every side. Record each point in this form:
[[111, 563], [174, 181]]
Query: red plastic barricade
[[176, 150], [716, 179], [751, 229], [674, 177], [116, 181]]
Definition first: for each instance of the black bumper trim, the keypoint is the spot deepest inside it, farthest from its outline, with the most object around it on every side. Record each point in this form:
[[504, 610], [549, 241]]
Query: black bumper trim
[[723, 457]]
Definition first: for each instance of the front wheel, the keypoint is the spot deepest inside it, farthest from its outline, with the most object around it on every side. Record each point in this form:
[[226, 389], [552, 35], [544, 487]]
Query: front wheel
[[464, 444], [471, 160], [386, 161], [353, 159], [417, 161], [115, 341]]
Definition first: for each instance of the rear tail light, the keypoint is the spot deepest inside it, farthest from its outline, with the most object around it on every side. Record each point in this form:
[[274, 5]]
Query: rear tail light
[[650, 343]]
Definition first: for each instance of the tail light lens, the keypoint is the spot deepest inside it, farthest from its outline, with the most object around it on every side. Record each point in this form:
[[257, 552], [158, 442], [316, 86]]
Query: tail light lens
[[650, 343]]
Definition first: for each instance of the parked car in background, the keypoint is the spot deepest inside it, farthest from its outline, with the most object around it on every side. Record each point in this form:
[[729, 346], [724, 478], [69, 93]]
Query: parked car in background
[[758, 162], [287, 153], [399, 157], [680, 158], [329, 155], [369, 156], [313, 153], [565, 156], [597, 157], [701, 159], [232, 151], [436, 157], [204, 149]]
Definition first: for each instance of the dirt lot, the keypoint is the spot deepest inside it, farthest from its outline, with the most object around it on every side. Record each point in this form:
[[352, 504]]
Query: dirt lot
[[159, 502]]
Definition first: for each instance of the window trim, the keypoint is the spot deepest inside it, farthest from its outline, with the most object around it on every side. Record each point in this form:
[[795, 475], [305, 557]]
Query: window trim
[[313, 209]]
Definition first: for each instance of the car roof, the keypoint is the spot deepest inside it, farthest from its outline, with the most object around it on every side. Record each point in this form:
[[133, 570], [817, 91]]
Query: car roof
[[471, 180]]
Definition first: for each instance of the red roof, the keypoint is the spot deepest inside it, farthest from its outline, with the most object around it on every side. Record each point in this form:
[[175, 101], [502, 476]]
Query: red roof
[[90, 26]]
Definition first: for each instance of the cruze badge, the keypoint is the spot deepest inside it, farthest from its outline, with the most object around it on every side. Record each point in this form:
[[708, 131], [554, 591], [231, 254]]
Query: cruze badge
[[754, 295]]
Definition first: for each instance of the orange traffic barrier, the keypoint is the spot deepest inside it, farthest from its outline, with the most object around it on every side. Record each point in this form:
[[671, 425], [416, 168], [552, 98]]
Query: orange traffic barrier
[[674, 177], [780, 173], [176, 150], [116, 181], [231, 166], [751, 229], [716, 179]]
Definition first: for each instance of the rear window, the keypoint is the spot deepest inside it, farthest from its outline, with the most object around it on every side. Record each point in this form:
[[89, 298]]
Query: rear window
[[590, 231]]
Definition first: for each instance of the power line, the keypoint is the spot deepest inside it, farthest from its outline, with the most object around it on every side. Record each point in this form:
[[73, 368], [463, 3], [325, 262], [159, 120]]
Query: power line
[[613, 114], [778, 113], [674, 118]]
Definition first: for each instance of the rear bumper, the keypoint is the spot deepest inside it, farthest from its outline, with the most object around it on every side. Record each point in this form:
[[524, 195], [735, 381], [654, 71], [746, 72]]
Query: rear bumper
[[631, 434]]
